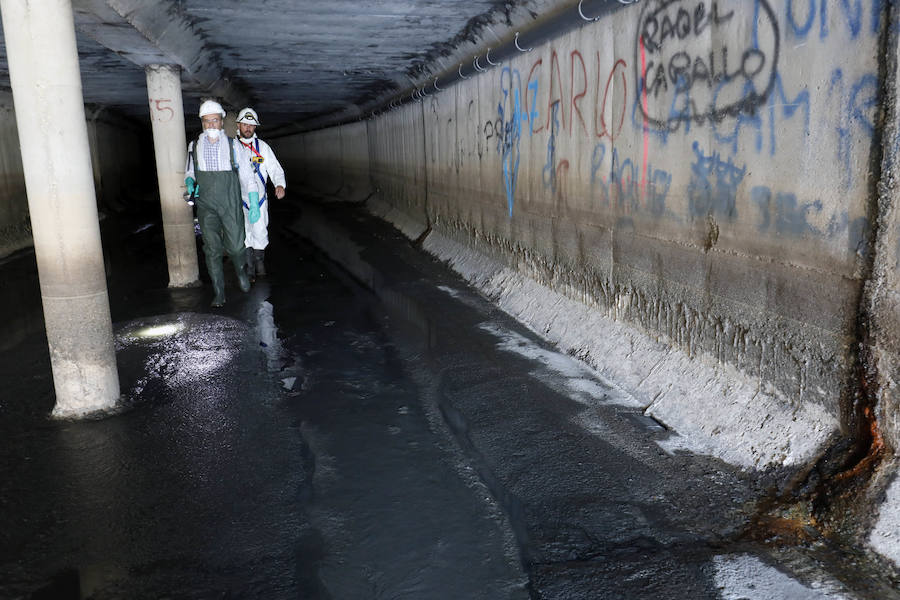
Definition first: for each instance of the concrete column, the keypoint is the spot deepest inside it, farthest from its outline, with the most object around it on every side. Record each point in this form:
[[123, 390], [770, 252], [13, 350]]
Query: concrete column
[[46, 87], [167, 118]]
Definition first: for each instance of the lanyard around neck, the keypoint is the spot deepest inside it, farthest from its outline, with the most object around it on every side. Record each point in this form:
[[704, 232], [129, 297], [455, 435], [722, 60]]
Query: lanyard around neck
[[250, 145]]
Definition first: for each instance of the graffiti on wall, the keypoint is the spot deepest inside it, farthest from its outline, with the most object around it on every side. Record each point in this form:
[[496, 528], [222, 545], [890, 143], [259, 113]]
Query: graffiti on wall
[[508, 130], [585, 106], [704, 70], [714, 185], [806, 17], [623, 185], [783, 214], [577, 104], [690, 72]]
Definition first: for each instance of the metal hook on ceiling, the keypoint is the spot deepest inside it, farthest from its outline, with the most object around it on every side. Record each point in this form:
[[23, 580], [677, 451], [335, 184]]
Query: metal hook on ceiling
[[459, 70], [583, 16], [488, 57], [478, 67], [520, 48], [436, 86]]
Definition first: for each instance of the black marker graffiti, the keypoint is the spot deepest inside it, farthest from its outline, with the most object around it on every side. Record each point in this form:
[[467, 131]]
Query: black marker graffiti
[[694, 64]]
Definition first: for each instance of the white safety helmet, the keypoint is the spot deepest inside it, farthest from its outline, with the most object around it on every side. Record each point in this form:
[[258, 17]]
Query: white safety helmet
[[248, 116], [211, 107]]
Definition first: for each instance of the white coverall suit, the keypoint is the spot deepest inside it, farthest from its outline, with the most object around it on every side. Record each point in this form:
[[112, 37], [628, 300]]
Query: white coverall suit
[[257, 234]]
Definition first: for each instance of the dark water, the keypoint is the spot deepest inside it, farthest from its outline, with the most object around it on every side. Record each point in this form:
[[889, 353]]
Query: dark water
[[320, 439], [275, 449]]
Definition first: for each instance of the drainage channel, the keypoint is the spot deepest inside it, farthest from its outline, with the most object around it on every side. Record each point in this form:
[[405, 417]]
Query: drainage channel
[[596, 506]]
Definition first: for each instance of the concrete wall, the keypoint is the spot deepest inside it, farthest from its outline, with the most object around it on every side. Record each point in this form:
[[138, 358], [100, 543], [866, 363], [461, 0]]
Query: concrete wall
[[728, 217], [881, 316], [120, 151], [694, 187], [332, 163], [15, 230], [123, 161]]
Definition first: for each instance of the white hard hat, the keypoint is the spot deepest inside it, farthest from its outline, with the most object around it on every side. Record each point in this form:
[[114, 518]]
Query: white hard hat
[[211, 107], [248, 116]]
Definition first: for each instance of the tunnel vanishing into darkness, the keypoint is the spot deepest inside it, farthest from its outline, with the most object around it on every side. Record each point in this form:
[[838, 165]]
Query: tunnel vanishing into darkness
[[696, 199]]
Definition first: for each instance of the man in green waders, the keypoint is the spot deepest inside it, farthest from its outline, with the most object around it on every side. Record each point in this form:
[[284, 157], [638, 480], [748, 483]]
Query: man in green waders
[[212, 177]]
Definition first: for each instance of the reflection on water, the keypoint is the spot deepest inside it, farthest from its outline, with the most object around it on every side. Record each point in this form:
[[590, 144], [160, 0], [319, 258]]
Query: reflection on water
[[20, 300], [193, 488], [268, 335], [179, 348]]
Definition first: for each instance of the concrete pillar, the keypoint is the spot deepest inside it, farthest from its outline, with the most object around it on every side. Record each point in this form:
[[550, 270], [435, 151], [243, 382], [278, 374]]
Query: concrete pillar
[[46, 87], [167, 118]]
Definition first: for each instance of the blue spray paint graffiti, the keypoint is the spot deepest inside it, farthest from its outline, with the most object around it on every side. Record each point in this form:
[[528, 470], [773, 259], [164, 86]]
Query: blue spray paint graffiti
[[533, 115], [548, 176], [713, 186], [781, 108], [801, 16], [783, 214], [623, 175], [624, 183], [857, 113], [508, 142], [789, 218], [657, 189]]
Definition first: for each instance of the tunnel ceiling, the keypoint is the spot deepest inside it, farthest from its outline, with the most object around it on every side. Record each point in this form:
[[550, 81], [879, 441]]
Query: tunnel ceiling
[[301, 63]]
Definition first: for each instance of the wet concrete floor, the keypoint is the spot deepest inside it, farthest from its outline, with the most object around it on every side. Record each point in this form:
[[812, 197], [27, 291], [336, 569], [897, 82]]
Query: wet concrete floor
[[320, 438]]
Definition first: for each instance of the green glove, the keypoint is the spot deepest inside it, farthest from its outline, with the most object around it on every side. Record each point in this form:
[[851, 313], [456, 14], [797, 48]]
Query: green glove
[[253, 205], [191, 185]]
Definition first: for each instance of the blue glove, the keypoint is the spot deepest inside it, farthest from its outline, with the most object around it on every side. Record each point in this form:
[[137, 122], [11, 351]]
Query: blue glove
[[253, 205], [191, 185]]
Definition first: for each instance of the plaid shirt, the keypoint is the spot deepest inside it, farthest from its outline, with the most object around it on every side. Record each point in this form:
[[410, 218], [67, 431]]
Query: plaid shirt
[[211, 154], [217, 157]]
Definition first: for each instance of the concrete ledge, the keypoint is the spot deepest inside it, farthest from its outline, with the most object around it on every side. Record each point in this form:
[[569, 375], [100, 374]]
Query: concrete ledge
[[716, 409], [408, 226]]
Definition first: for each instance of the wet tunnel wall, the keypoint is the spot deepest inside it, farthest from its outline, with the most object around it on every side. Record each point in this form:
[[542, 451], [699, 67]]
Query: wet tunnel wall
[[712, 180], [119, 157], [14, 227]]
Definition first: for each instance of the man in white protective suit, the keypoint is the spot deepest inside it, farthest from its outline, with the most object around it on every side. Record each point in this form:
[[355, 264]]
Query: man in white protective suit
[[265, 167]]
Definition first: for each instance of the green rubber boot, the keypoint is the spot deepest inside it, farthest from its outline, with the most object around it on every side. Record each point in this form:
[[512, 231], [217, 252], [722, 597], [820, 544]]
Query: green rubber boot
[[217, 276], [243, 279]]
